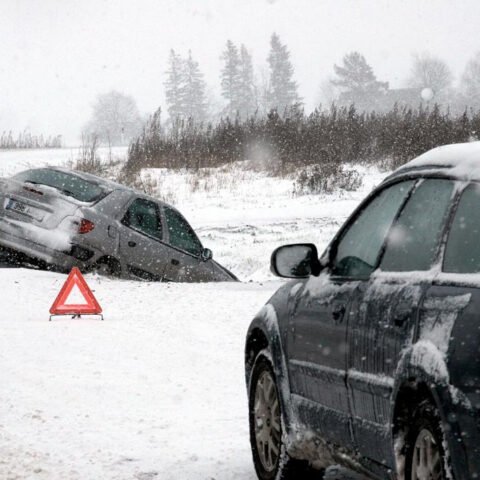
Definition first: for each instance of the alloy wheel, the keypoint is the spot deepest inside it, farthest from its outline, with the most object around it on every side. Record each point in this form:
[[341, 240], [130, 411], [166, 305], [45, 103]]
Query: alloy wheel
[[427, 459], [268, 431]]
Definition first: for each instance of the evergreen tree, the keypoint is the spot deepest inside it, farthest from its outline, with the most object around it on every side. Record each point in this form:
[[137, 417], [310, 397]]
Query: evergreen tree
[[230, 77], [246, 87], [192, 92], [356, 75], [173, 86], [283, 89]]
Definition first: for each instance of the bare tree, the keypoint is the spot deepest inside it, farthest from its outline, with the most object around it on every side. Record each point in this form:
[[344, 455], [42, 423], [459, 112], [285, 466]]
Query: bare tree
[[470, 83], [429, 71], [115, 119]]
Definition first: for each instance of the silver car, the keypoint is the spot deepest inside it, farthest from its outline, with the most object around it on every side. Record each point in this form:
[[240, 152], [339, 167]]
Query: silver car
[[62, 219]]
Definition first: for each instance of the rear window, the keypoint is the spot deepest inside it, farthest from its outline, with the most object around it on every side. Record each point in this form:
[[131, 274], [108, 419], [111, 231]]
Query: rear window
[[66, 183], [462, 254], [413, 241]]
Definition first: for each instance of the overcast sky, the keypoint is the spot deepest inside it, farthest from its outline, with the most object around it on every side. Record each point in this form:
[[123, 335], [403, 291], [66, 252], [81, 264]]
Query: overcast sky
[[57, 55]]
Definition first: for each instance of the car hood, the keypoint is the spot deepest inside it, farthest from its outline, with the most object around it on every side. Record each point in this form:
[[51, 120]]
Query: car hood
[[222, 273]]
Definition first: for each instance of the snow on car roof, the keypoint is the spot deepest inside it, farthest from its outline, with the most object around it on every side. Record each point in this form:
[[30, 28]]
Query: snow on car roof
[[460, 160]]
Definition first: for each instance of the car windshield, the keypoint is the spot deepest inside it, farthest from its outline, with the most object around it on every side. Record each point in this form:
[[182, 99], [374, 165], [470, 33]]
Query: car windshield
[[66, 183]]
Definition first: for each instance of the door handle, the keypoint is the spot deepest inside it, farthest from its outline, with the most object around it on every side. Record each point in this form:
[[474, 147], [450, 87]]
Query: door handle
[[338, 312], [175, 261], [131, 243]]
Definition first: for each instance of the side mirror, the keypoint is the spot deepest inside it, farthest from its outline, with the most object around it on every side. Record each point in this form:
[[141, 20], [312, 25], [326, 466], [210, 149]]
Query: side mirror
[[206, 255], [295, 261]]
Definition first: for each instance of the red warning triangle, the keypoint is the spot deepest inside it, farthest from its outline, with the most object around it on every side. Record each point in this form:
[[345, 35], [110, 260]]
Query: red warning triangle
[[90, 307]]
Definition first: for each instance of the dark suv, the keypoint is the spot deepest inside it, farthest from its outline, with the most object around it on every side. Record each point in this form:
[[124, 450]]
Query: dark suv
[[371, 357]]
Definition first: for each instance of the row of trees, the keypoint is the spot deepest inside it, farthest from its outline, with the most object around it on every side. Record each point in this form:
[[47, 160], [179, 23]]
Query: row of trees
[[430, 77], [185, 86], [9, 140], [116, 119], [284, 142]]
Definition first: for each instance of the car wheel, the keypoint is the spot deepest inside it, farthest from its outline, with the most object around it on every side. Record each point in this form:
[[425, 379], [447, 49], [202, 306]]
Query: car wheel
[[267, 438], [426, 458], [108, 268]]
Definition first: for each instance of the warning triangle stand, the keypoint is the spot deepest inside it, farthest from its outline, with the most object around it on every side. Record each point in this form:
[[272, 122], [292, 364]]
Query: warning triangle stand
[[63, 306]]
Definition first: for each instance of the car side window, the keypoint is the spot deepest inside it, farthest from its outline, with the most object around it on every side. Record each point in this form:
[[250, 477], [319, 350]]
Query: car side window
[[462, 254], [181, 234], [358, 251], [144, 216], [413, 241]]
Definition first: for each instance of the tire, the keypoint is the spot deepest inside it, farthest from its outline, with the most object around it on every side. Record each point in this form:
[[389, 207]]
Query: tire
[[425, 455], [267, 439], [108, 267]]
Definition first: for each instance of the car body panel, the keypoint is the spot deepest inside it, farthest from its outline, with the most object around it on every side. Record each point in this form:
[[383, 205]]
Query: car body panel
[[381, 325], [42, 223], [317, 352], [405, 331]]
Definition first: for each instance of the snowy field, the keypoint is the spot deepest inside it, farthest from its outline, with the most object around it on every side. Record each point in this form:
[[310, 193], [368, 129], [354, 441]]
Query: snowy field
[[156, 391]]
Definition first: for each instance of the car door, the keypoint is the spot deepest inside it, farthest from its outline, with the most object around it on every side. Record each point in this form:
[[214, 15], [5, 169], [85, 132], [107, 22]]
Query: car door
[[186, 263], [141, 246], [317, 339], [385, 314]]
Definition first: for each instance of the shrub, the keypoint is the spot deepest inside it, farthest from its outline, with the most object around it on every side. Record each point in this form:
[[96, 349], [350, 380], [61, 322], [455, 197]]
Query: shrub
[[281, 143], [326, 178]]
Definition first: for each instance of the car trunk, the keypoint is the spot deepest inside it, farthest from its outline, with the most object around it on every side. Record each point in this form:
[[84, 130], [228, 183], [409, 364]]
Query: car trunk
[[37, 205]]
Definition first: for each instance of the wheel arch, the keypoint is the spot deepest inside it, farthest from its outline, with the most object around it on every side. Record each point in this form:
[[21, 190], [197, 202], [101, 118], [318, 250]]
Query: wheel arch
[[264, 334], [425, 380], [256, 342]]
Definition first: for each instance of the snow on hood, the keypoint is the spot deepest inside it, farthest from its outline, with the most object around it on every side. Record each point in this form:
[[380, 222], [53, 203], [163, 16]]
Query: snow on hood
[[462, 160]]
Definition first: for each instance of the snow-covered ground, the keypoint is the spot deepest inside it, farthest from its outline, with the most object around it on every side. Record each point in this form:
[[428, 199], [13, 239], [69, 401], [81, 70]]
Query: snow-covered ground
[[16, 160], [243, 216], [157, 389]]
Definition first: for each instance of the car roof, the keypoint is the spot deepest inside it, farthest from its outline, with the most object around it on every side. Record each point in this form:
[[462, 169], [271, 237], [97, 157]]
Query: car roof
[[460, 161]]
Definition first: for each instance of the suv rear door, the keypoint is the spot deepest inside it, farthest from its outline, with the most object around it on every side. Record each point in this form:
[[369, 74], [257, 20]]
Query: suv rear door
[[385, 314], [450, 320]]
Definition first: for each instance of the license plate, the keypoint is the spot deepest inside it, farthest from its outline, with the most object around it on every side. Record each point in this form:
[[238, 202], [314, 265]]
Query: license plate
[[16, 206], [20, 207]]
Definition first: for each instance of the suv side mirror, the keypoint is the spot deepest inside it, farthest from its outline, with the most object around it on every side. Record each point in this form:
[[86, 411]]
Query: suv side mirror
[[206, 255], [298, 260]]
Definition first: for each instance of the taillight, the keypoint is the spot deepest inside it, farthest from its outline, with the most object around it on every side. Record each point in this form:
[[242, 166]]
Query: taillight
[[85, 226]]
